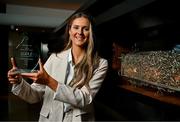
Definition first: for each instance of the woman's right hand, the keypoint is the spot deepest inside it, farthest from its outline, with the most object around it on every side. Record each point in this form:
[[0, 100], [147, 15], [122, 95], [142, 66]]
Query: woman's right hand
[[13, 76]]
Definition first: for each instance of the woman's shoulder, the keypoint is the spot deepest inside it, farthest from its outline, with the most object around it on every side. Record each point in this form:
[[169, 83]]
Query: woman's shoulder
[[103, 62], [61, 54], [101, 65]]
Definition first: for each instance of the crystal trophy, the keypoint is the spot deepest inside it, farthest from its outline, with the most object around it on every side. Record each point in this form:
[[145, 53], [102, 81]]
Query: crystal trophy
[[26, 54]]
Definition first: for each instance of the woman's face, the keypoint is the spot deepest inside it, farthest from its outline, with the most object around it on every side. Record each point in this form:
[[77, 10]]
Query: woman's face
[[79, 31]]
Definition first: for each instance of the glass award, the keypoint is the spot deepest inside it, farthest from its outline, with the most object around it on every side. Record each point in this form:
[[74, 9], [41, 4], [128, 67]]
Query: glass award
[[26, 54]]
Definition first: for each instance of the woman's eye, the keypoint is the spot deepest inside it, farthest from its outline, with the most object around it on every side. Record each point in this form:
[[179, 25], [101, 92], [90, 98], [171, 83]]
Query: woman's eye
[[75, 27], [86, 29], [83, 28]]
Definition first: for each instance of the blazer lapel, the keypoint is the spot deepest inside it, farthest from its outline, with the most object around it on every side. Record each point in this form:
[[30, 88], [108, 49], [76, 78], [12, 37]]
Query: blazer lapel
[[62, 69]]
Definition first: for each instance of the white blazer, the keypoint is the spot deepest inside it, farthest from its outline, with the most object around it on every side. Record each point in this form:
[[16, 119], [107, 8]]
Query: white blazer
[[80, 99]]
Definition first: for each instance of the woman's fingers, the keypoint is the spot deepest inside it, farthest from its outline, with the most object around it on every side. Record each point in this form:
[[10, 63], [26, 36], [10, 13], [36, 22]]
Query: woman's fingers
[[13, 75], [28, 74], [13, 62], [14, 79], [33, 76]]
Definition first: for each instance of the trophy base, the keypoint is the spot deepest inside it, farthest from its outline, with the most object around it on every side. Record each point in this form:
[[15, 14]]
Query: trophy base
[[19, 71]]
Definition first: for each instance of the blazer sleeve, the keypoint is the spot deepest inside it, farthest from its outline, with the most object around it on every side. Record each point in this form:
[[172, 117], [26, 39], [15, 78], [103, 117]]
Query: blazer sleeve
[[84, 96], [30, 93]]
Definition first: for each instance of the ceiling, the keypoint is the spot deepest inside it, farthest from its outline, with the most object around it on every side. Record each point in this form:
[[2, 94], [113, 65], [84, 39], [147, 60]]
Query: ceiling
[[38, 13], [56, 4]]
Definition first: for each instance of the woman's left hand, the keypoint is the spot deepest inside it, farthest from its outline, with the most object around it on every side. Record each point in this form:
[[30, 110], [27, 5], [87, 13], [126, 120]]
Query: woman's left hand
[[40, 76]]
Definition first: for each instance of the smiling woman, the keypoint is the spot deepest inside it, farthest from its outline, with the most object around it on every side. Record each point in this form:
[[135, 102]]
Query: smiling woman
[[69, 80]]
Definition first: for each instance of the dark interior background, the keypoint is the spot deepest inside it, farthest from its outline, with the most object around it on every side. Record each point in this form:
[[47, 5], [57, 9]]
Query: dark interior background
[[138, 25]]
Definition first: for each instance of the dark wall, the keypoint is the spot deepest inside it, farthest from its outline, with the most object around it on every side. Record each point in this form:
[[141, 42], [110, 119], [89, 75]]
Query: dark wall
[[3, 72], [152, 27]]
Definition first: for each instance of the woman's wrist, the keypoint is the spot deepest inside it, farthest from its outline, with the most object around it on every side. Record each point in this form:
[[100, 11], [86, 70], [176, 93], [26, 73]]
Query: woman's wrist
[[52, 83]]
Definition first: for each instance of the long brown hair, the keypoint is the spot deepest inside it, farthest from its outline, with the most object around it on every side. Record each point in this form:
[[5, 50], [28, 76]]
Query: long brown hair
[[83, 71]]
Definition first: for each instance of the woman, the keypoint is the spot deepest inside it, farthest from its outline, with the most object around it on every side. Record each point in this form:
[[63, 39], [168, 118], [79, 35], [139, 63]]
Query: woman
[[69, 80]]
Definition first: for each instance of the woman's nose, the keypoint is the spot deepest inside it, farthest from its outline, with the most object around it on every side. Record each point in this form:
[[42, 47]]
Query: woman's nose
[[80, 31]]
